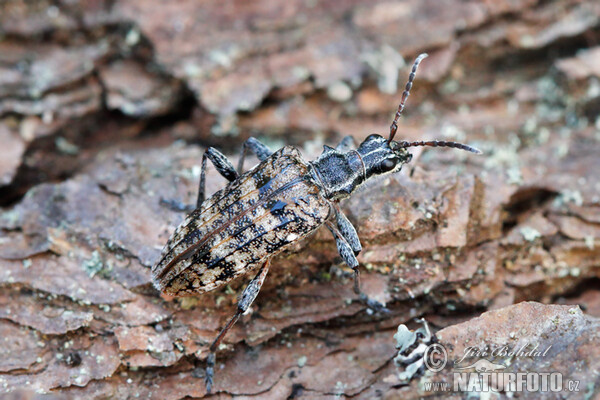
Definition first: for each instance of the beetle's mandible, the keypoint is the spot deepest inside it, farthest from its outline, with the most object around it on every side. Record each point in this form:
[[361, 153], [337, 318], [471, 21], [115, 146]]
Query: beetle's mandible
[[273, 205]]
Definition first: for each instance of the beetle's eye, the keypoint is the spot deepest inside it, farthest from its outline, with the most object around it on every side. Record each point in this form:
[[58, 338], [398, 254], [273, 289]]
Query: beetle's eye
[[372, 137], [388, 164]]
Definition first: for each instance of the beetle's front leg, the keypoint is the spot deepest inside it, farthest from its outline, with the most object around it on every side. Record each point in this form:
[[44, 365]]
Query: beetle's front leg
[[349, 258], [222, 165], [244, 302]]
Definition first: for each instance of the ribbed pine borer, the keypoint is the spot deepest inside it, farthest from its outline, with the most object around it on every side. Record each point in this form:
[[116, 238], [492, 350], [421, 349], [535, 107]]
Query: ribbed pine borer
[[275, 204]]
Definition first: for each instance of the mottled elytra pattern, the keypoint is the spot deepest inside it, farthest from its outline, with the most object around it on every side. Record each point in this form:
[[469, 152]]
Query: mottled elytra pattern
[[254, 217]]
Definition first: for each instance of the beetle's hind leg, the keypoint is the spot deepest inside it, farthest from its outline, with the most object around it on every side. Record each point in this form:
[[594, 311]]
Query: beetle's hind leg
[[222, 165], [347, 254], [260, 150], [245, 300]]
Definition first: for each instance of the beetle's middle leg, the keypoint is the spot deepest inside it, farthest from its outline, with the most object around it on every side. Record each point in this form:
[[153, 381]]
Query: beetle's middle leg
[[347, 229], [347, 254], [222, 165], [245, 300], [260, 150]]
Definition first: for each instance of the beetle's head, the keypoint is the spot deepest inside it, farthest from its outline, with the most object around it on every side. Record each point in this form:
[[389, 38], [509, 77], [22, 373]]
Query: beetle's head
[[380, 156]]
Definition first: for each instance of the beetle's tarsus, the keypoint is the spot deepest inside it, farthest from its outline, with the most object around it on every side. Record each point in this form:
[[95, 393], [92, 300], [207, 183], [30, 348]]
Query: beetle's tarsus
[[210, 371], [374, 305], [176, 205], [349, 258]]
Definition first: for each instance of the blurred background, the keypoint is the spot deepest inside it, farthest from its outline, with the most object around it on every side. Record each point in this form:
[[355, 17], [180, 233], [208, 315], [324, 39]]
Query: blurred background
[[107, 105]]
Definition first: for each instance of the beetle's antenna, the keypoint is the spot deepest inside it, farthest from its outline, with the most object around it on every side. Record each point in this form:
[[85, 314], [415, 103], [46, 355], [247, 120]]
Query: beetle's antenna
[[440, 143], [405, 94]]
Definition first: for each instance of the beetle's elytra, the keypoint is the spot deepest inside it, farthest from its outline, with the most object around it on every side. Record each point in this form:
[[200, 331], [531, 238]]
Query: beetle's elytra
[[235, 230], [266, 209]]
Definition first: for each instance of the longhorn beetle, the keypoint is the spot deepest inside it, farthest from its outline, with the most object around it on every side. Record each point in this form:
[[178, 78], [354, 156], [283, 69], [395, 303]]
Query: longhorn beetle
[[266, 209]]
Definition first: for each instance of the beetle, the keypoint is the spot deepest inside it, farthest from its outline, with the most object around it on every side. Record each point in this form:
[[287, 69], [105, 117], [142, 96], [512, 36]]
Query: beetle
[[268, 208]]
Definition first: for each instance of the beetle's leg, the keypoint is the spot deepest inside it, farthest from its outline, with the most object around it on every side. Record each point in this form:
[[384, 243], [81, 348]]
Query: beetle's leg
[[346, 144], [177, 205], [347, 230], [349, 258], [222, 165], [260, 150], [245, 300]]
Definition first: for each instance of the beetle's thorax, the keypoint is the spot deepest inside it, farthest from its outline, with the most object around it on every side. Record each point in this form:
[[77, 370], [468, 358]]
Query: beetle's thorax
[[341, 173]]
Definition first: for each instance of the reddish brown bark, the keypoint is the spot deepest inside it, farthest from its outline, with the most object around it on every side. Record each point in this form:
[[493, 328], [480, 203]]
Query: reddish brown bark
[[106, 106]]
